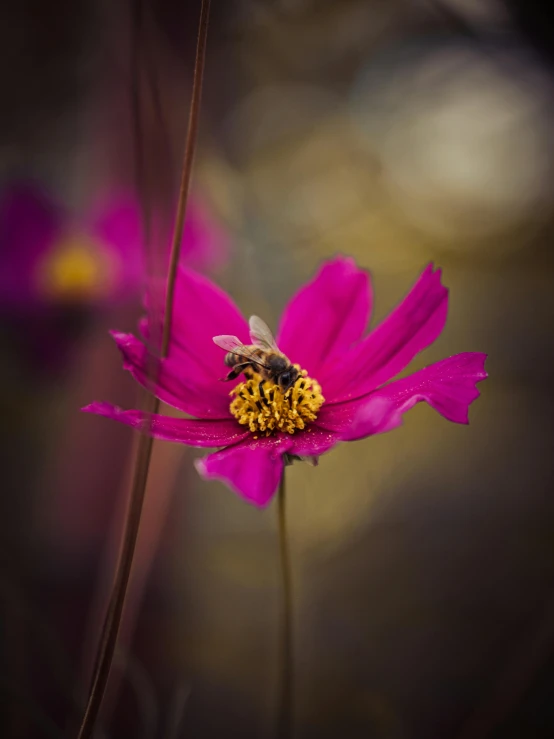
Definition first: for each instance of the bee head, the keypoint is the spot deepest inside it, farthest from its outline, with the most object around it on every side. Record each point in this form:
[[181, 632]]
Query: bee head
[[288, 378]]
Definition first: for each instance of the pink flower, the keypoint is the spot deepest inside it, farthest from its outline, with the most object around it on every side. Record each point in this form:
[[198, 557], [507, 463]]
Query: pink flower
[[52, 259], [321, 331]]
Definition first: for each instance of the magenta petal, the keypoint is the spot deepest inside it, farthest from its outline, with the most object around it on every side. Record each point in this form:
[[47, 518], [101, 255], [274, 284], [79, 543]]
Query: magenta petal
[[409, 329], [116, 222], [175, 382], [360, 418], [30, 224], [313, 442], [202, 310], [182, 430], [448, 386], [116, 219], [252, 469], [205, 243], [326, 316]]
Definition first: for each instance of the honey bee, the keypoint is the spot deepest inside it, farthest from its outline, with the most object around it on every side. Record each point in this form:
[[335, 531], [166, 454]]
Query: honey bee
[[262, 356]]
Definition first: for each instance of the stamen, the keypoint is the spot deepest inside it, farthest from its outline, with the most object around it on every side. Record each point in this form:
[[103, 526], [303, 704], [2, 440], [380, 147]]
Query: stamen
[[76, 268], [263, 407]]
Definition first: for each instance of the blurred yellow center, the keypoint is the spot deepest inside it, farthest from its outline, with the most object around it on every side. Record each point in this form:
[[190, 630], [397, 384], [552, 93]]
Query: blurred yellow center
[[266, 409], [76, 268]]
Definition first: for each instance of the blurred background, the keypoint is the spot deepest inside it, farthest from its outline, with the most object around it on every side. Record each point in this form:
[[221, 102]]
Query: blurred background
[[400, 132]]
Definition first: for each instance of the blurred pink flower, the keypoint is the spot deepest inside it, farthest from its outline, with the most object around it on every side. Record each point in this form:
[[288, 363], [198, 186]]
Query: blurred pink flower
[[321, 330], [50, 259]]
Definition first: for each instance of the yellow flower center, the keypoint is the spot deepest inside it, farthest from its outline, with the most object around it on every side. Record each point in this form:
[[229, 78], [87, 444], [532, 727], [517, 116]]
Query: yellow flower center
[[76, 268], [263, 407]]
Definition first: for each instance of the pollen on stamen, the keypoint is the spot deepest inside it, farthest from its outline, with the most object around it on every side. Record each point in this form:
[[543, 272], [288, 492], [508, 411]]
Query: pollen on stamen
[[267, 410]]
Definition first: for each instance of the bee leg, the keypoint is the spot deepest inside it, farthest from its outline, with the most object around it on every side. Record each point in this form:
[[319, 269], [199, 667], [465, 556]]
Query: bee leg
[[235, 372]]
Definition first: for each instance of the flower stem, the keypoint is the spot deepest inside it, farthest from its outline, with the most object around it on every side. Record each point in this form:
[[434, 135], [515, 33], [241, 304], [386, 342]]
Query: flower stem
[[112, 621], [286, 676]]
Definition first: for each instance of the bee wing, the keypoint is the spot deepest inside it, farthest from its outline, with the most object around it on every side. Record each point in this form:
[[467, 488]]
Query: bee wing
[[261, 335], [229, 343], [235, 346]]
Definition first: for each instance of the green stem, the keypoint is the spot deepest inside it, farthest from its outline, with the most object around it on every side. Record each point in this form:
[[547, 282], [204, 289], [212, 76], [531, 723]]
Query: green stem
[[286, 677]]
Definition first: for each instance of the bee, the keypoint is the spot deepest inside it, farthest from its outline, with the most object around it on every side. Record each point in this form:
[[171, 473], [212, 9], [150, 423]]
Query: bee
[[262, 356]]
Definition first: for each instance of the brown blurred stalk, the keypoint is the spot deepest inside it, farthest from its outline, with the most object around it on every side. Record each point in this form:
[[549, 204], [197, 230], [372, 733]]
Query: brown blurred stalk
[[286, 652], [112, 621], [164, 466]]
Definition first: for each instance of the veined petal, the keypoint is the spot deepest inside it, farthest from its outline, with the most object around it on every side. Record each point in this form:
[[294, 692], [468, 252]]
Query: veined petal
[[326, 316], [411, 327], [379, 415], [201, 310], [182, 356], [252, 468], [314, 441], [448, 386], [182, 430], [175, 384]]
